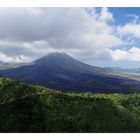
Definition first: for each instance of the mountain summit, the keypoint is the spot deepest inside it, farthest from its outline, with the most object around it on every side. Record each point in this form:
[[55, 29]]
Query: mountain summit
[[61, 71], [53, 57], [63, 60]]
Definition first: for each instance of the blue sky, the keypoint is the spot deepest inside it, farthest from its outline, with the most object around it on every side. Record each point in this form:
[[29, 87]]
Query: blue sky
[[97, 36], [126, 22], [121, 14]]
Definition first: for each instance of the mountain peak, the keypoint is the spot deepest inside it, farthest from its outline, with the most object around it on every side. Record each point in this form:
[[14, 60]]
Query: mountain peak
[[64, 61], [54, 58], [57, 54]]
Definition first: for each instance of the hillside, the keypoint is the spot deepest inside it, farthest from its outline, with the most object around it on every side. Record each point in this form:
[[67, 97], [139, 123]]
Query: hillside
[[31, 108], [61, 71]]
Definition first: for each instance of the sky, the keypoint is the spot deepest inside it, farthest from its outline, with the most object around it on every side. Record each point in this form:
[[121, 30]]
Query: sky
[[102, 37]]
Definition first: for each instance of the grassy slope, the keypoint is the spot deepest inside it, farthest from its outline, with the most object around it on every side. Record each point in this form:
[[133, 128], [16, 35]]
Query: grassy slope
[[27, 108]]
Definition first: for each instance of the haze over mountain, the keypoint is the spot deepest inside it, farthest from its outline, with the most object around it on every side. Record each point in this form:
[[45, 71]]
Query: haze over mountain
[[60, 71], [125, 70], [1, 63]]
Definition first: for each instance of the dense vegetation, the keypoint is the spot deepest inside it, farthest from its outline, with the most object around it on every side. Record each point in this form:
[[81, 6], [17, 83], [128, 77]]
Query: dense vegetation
[[27, 108]]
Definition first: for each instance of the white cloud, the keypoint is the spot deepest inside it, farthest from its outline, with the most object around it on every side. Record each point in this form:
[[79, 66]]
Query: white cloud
[[135, 18], [29, 33], [34, 32], [131, 54], [130, 29], [105, 15], [34, 11], [14, 59]]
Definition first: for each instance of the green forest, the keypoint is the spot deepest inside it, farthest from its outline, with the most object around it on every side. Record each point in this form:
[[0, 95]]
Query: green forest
[[32, 108]]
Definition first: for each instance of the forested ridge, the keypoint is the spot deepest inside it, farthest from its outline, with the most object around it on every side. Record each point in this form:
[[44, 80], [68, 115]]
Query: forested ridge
[[32, 108]]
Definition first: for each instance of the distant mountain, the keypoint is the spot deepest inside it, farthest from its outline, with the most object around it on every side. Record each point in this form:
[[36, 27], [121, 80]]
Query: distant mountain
[[133, 73], [60, 71], [124, 70], [1, 62]]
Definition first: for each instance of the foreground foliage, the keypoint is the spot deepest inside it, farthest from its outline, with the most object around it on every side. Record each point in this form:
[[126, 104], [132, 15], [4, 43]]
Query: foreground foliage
[[27, 108]]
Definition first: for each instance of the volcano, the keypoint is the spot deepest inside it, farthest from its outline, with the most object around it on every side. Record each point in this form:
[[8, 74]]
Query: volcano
[[61, 71]]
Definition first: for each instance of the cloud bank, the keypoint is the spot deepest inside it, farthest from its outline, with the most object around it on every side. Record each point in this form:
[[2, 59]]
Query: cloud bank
[[84, 33]]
